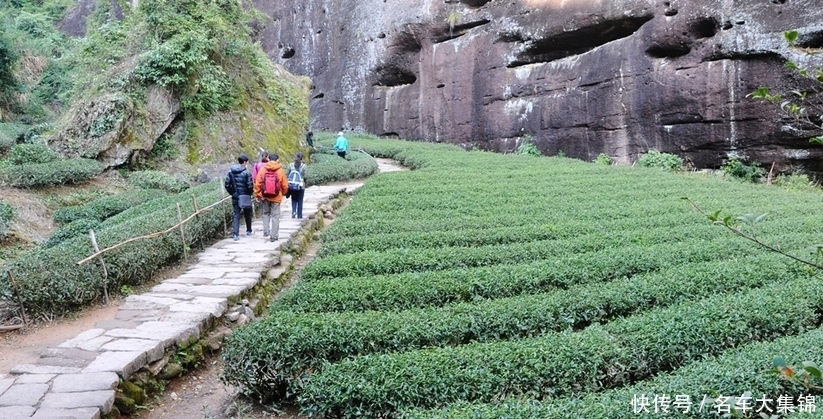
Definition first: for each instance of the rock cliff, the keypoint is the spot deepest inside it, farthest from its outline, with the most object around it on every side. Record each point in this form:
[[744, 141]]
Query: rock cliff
[[578, 76]]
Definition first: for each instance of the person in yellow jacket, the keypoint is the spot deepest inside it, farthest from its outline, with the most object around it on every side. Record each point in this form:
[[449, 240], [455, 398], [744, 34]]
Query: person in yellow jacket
[[269, 191]]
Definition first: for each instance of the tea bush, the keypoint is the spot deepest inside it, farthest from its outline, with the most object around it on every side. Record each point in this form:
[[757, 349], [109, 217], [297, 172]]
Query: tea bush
[[153, 179], [665, 161], [107, 206], [6, 215], [21, 154], [50, 280], [75, 228], [59, 172], [327, 167]]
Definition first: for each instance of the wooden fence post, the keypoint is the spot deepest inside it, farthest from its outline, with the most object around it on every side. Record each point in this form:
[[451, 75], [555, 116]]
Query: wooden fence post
[[182, 233], [223, 208], [103, 264]]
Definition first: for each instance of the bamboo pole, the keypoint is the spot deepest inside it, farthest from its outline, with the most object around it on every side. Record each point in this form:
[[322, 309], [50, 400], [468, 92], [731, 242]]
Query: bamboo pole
[[19, 299], [102, 263], [148, 236], [194, 203], [182, 232]]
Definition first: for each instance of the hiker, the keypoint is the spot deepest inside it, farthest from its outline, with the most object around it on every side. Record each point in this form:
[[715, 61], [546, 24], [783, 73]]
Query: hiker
[[239, 184], [310, 139], [269, 187], [342, 145], [264, 158], [297, 185]]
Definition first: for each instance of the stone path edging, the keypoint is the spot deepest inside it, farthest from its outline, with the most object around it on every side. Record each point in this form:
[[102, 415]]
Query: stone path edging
[[78, 378]]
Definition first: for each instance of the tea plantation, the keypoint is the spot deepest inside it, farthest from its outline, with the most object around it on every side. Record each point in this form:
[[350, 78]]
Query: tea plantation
[[480, 285]]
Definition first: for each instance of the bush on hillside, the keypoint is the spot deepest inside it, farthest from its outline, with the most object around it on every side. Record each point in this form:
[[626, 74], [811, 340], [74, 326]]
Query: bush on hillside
[[59, 172], [327, 166], [103, 208], [6, 214], [73, 229], [739, 170], [603, 159], [10, 134], [665, 161], [51, 281], [32, 154], [154, 179]]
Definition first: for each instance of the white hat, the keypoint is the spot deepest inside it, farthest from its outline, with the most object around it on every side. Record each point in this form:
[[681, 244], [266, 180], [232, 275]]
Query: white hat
[[340, 134]]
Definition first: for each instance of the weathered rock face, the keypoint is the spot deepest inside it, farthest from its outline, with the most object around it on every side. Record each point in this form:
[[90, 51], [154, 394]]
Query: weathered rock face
[[578, 76]]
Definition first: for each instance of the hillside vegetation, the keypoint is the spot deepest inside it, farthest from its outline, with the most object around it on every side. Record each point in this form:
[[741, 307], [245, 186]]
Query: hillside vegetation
[[526, 287]]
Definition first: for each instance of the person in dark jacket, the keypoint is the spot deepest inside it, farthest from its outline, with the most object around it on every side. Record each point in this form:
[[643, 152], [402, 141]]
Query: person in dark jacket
[[239, 183]]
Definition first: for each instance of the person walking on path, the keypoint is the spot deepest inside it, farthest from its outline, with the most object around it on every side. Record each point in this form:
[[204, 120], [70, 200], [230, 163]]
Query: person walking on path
[[264, 157], [341, 145], [297, 185], [310, 139], [238, 182], [270, 186]]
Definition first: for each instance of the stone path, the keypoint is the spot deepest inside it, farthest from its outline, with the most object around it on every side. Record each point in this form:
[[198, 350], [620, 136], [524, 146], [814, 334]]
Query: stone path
[[78, 378]]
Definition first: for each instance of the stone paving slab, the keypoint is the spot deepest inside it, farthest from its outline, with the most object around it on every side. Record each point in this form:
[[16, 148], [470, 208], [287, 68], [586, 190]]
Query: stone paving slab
[[81, 413], [15, 412], [23, 394], [93, 381], [123, 363], [34, 378], [78, 378], [103, 400], [42, 369]]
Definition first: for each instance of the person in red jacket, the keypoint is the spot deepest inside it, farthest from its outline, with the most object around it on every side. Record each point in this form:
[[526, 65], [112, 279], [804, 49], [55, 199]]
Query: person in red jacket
[[270, 185]]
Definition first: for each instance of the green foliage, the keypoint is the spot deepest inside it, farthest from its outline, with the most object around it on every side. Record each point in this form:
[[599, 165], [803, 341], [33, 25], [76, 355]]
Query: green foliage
[[603, 159], [8, 58], [22, 154], [795, 182], [75, 228], [734, 373], [433, 291], [527, 148], [10, 134], [60, 172], [107, 206], [295, 343], [6, 215], [164, 149], [739, 170], [327, 166], [665, 161], [78, 285], [153, 179], [593, 359]]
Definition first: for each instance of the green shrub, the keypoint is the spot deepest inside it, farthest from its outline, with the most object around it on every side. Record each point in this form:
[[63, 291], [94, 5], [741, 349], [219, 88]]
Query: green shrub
[[107, 206], [603, 159], [296, 343], [795, 182], [51, 281], [558, 364], [734, 373], [527, 148], [153, 179], [10, 134], [6, 215], [327, 166], [739, 170], [51, 174], [665, 161], [32, 154], [75, 228]]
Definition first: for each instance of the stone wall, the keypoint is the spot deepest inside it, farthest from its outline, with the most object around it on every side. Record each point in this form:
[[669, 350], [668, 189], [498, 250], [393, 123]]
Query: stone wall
[[578, 76]]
